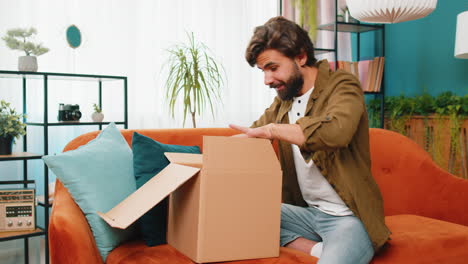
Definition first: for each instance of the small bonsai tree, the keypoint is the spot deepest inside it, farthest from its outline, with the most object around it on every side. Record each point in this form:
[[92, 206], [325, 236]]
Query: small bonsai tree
[[21, 39]]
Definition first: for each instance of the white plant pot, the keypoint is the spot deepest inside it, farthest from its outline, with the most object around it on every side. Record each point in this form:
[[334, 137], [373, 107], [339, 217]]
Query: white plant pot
[[97, 117], [27, 63]]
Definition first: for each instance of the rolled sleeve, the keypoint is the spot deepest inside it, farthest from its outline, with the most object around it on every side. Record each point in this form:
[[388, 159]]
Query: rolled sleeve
[[336, 126]]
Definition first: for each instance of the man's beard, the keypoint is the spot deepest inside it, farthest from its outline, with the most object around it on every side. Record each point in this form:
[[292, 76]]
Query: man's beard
[[292, 86]]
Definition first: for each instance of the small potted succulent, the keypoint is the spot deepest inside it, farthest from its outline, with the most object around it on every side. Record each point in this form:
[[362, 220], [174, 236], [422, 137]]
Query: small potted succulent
[[97, 116], [21, 39], [11, 127]]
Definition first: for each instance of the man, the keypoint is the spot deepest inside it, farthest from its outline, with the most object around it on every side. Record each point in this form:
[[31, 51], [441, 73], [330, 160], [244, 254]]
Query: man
[[332, 207]]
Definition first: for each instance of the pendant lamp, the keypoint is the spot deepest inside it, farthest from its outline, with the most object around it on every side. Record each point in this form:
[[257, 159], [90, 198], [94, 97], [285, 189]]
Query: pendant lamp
[[461, 39], [390, 11]]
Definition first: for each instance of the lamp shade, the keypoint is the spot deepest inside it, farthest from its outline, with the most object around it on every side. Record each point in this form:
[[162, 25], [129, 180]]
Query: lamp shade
[[461, 40], [390, 11]]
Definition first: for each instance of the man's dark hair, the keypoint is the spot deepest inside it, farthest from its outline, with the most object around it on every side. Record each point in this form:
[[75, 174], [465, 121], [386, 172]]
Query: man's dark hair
[[283, 35]]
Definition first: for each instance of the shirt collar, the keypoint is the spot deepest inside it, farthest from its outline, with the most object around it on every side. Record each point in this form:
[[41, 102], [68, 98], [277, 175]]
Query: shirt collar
[[321, 80], [304, 97]]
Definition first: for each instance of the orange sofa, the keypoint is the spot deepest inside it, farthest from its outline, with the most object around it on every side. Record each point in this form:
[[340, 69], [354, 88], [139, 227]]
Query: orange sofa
[[425, 209]]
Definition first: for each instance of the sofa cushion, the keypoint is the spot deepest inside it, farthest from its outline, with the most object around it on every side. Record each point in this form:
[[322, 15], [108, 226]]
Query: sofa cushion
[[149, 160], [416, 239], [98, 175], [136, 252]]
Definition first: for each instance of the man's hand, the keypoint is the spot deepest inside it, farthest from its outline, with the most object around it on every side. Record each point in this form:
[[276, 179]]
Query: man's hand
[[291, 133], [258, 132], [240, 136]]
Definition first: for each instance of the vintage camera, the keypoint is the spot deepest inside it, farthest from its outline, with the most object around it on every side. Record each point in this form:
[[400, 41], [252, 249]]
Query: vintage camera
[[69, 112]]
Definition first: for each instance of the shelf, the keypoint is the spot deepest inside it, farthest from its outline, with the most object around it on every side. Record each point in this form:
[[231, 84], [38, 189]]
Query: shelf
[[71, 123], [43, 204], [16, 182], [40, 201], [20, 156], [350, 27], [59, 76], [5, 236], [323, 51]]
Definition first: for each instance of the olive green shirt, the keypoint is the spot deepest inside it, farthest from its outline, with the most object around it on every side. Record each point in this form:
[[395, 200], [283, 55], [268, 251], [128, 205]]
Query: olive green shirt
[[336, 129]]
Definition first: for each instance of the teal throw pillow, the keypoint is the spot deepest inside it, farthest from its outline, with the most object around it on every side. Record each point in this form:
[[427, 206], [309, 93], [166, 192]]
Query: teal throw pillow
[[98, 175], [149, 160]]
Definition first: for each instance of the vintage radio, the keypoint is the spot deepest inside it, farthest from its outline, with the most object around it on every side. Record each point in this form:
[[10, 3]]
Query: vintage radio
[[17, 210]]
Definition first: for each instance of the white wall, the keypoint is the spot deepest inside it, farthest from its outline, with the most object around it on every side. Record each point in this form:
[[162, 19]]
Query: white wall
[[130, 37]]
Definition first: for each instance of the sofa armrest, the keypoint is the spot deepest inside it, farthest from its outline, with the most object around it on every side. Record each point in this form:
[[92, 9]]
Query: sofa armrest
[[443, 195], [70, 237], [412, 183]]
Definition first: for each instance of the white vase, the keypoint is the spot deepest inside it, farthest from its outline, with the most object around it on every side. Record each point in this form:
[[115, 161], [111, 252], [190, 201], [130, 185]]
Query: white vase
[[27, 63], [97, 117]]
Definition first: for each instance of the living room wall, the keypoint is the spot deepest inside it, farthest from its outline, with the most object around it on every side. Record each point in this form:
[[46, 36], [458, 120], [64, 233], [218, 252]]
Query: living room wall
[[420, 54]]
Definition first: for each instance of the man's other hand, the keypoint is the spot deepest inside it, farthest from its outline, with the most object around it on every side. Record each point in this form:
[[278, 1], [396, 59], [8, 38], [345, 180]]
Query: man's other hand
[[291, 133], [258, 132]]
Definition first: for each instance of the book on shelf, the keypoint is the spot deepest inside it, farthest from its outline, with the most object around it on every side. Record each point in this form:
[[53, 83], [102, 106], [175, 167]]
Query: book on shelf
[[364, 67], [379, 76], [369, 72], [372, 75]]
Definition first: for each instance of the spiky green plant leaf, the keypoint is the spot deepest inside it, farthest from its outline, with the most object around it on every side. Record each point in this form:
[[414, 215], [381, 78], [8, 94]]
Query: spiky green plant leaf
[[194, 78]]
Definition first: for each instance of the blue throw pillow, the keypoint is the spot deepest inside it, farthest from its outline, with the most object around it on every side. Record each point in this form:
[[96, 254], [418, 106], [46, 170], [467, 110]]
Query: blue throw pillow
[[149, 160], [98, 175]]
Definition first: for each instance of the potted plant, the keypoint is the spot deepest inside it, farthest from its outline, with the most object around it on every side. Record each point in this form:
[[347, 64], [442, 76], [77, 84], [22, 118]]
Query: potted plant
[[11, 127], [437, 124], [97, 116], [194, 76], [21, 39]]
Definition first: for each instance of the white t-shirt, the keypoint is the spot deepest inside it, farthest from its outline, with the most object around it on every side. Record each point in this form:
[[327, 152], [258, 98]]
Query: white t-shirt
[[315, 189]]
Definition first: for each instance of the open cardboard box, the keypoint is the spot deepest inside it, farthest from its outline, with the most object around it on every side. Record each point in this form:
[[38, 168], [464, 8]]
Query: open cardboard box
[[228, 206]]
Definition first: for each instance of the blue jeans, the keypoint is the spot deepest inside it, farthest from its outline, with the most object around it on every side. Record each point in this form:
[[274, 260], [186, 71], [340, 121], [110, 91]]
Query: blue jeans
[[344, 238]]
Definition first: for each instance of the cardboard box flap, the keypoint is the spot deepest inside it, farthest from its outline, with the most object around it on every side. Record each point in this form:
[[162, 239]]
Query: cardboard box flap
[[187, 159], [231, 153], [148, 195]]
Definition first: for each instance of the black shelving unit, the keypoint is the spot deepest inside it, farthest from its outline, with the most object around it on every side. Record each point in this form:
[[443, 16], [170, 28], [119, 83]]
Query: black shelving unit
[[356, 28], [45, 124]]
